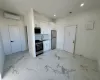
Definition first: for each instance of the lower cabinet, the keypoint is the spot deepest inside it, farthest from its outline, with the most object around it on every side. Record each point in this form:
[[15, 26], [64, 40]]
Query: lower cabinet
[[46, 45]]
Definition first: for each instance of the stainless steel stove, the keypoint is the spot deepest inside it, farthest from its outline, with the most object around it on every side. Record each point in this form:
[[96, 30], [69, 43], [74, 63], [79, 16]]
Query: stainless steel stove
[[39, 47]]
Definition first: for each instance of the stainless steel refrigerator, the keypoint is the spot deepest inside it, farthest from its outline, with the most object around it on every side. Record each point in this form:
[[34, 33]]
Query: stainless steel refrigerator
[[53, 39]]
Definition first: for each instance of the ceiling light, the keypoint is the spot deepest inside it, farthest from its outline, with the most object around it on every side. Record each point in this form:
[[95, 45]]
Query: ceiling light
[[54, 15], [82, 5]]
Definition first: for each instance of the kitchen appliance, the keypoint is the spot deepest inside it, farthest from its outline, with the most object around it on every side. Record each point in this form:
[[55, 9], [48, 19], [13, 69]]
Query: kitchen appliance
[[37, 30], [39, 47], [53, 39]]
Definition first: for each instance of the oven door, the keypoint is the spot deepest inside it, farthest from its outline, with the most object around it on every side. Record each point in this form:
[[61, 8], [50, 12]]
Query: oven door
[[39, 46]]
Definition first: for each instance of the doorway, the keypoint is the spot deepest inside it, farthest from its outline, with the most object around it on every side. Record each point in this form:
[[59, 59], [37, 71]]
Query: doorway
[[70, 39]]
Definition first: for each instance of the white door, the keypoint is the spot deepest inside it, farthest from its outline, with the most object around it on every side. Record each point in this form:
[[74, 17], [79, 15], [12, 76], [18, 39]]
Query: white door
[[69, 39], [15, 39], [6, 40]]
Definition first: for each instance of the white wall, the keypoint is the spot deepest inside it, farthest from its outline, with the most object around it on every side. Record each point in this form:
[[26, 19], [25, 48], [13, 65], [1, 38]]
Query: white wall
[[87, 42], [30, 28], [2, 57], [4, 23]]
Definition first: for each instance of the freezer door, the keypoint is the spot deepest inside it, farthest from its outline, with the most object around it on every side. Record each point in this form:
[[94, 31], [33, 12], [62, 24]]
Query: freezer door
[[53, 33]]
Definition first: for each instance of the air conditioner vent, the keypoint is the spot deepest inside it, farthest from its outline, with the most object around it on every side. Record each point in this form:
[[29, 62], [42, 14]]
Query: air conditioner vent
[[13, 16]]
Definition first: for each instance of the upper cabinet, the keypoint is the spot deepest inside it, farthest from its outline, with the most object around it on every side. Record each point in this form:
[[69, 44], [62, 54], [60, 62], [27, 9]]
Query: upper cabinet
[[52, 25], [37, 24], [44, 28]]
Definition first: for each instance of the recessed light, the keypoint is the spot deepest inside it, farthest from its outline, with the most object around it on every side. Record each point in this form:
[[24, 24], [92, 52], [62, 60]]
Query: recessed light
[[54, 15], [82, 5]]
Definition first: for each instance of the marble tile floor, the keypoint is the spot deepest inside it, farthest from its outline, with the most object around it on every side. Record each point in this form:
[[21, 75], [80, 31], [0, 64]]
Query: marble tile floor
[[52, 65]]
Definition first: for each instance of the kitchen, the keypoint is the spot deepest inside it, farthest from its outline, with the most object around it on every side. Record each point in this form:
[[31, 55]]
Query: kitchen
[[66, 36], [44, 41], [44, 38]]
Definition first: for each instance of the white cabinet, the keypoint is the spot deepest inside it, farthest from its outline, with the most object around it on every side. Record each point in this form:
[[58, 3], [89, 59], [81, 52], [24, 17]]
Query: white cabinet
[[44, 28], [52, 25], [36, 23], [46, 45]]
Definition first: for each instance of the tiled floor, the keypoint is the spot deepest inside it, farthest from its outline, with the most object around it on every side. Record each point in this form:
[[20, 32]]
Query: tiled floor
[[53, 65]]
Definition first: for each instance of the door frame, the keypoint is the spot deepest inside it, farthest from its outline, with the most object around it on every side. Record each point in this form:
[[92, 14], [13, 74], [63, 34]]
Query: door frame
[[75, 38], [26, 36]]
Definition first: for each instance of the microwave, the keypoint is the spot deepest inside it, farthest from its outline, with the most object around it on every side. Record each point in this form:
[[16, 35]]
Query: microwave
[[37, 30]]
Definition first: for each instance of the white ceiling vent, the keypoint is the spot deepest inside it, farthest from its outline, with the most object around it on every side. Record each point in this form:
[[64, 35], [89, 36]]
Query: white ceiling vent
[[11, 16]]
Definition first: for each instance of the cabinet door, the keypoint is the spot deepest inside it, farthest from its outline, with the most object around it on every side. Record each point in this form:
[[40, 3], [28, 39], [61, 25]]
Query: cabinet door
[[44, 27], [52, 25], [36, 23], [46, 45]]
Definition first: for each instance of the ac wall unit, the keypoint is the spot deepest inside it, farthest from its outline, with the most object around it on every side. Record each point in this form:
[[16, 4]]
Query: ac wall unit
[[11, 16]]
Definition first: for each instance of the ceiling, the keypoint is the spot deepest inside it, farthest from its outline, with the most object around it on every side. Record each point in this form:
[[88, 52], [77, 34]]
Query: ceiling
[[49, 7]]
